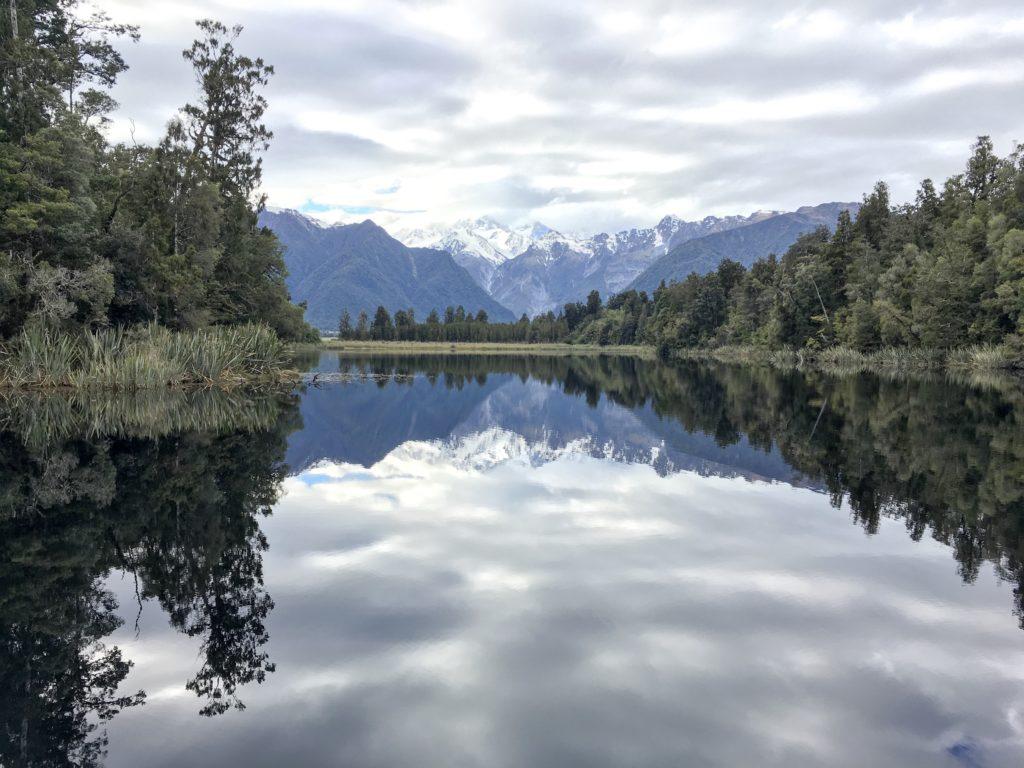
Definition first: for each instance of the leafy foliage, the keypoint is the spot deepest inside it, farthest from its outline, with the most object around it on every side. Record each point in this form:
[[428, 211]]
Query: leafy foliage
[[94, 235], [944, 272]]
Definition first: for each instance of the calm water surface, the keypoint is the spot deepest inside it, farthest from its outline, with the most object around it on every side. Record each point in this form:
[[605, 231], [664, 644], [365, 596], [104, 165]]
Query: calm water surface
[[495, 561]]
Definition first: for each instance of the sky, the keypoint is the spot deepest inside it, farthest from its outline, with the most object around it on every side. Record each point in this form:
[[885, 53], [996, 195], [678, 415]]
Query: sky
[[596, 116]]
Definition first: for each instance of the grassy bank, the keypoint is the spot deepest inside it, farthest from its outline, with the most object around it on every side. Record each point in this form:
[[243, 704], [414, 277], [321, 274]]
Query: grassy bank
[[145, 357], [983, 358], [490, 348]]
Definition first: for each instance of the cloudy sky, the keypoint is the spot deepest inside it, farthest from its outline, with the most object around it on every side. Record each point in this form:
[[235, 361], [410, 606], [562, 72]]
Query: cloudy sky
[[592, 115]]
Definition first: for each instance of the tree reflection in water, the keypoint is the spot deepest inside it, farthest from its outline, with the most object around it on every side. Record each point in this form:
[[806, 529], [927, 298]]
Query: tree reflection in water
[[169, 488], [944, 456]]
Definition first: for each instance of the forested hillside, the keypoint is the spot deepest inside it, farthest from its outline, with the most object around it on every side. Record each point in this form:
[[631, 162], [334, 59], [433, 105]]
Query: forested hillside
[[944, 271], [94, 234], [743, 244], [356, 267]]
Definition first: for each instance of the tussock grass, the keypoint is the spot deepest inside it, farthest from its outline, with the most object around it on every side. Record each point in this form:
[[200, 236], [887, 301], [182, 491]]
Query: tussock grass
[[146, 357], [744, 354], [983, 357], [889, 360], [843, 357]]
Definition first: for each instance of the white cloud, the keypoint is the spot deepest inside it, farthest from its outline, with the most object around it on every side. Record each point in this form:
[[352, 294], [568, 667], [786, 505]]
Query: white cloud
[[499, 107], [840, 99], [954, 78]]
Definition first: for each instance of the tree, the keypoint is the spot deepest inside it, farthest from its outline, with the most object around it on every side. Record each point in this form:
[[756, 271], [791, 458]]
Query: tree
[[88, 58], [345, 325], [593, 303], [362, 325], [93, 234], [982, 169], [382, 327], [224, 129], [481, 316], [873, 217]]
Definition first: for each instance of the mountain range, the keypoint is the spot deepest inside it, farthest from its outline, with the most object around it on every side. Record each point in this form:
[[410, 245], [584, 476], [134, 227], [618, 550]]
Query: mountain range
[[356, 267], [744, 244], [536, 268], [483, 264]]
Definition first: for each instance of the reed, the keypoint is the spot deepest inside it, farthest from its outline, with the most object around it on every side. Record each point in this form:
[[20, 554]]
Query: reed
[[842, 357], [146, 357], [983, 357]]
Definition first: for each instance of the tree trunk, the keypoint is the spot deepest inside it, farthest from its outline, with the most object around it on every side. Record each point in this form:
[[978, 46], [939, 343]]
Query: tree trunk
[[28, 690]]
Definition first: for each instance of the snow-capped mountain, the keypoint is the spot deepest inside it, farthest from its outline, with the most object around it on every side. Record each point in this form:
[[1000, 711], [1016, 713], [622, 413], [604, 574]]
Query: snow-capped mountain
[[482, 245], [551, 267], [534, 268]]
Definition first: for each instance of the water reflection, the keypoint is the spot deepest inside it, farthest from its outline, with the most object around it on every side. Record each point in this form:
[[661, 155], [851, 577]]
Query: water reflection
[[499, 560], [946, 459], [168, 488]]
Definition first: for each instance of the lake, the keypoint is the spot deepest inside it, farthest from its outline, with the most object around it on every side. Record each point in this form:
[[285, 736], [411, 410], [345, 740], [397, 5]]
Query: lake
[[516, 561]]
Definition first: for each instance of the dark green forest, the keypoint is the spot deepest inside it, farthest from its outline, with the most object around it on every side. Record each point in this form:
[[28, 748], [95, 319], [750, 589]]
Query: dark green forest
[[943, 272], [454, 324], [94, 234]]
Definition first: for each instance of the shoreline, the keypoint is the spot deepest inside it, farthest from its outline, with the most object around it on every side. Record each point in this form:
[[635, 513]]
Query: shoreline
[[482, 348], [148, 357], [892, 361], [839, 361]]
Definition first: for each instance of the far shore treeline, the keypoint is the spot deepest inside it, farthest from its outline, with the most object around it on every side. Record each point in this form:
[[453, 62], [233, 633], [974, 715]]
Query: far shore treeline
[[945, 272], [96, 235]]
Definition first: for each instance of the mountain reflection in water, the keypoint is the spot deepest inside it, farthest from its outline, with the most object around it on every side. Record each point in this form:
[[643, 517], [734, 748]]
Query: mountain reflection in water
[[497, 560]]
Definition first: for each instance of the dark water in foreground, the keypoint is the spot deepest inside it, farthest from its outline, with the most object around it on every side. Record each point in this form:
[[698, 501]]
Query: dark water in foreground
[[498, 561]]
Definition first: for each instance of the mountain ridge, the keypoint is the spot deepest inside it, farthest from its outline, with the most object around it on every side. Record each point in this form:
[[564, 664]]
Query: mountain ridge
[[356, 267], [773, 234], [475, 261], [552, 267]]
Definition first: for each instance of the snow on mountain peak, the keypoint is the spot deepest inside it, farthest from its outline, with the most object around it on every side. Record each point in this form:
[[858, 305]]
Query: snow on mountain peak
[[535, 231], [490, 251]]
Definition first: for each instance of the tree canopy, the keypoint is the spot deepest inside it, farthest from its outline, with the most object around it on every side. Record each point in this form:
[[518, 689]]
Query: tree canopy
[[94, 233]]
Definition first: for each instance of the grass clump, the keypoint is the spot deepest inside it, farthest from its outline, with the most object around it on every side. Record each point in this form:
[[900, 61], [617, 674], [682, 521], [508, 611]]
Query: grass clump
[[145, 357], [983, 357]]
